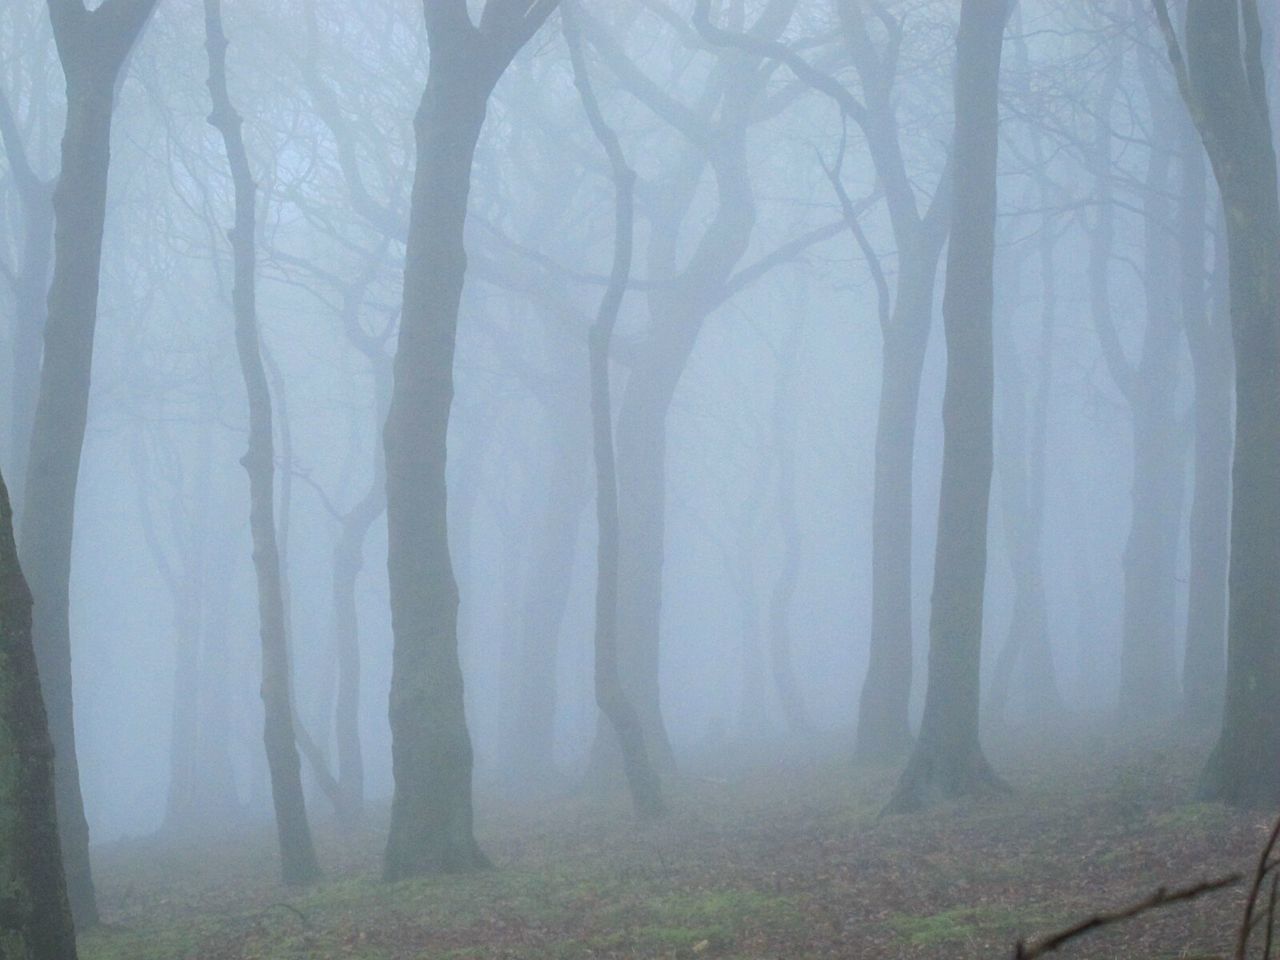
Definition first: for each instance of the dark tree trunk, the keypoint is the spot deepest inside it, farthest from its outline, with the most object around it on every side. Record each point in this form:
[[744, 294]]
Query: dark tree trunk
[[92, 47], [947, 760], [431, 812], [1223, 81], [36, 920], [1209, 337], [297, 854]]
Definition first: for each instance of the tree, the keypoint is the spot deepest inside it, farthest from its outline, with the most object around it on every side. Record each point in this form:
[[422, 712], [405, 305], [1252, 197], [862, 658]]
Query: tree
[[905, 320], [431, 814], [947, 760], [92, 47], [611, 697], [31, 289], [36, 921], [297, 854], [1223, 83]]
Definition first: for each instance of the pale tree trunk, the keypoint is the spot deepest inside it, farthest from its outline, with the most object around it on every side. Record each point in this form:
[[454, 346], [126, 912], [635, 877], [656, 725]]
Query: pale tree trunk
[[31, 294], [92, 47], [1208, 327], [431, 812], [611, 696], [36, 922], [947, 760], [785, 423], [1223, 82], [297, 853]]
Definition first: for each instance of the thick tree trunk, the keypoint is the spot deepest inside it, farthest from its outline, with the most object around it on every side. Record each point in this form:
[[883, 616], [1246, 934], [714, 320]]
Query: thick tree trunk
[[947, 760], [297, 854], [431, 813], [1224, 84], [36, 921], [61, 412]]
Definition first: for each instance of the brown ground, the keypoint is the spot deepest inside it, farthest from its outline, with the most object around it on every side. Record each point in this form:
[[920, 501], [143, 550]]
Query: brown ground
[[788, 861]]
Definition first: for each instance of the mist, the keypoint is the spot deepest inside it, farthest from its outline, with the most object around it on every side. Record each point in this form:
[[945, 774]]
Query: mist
[[647, 478]]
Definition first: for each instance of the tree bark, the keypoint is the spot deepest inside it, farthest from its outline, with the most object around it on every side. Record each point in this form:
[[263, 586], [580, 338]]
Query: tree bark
[[35, 916], [1223, 82], [947, 760], [297, 853], [431, 811], [92, 47]]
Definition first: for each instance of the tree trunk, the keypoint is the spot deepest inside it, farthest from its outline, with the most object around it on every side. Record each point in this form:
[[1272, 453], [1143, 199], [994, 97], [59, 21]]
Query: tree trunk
[[1209, 337], [431, 812], [884, 730], [786, 411], [36, 920], [297, 854], [947, 760], [92, 47], [1148, 681], [1224, 83], [611, 695], [547, 583]]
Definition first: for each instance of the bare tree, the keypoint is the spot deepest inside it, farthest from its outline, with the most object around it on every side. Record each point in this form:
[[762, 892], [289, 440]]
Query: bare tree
[[947, 760], [297, 854], [431, 814], [1223, 82], [92, 47]]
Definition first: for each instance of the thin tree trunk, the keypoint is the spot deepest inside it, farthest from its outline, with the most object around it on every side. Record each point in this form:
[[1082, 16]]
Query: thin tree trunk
[[31, 295], [36, 922], [92, 47], [1209, 337], [786, 409], [947, 760], [611, 697], [297, 853]]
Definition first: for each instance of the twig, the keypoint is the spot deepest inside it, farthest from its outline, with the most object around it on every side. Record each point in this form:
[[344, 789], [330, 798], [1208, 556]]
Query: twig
[[1163, 897], [306, 921], [1260, 872]]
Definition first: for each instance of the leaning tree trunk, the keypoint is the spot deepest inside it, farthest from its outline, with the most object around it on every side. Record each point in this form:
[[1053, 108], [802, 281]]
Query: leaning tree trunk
[[947, 760], [297, 854], [611, 697], [35, 923], [431, 755], [1223, 81], [92, 47]]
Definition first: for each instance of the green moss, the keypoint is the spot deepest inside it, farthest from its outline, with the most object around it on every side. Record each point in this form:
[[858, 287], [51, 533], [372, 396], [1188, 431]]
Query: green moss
[[968, 923]]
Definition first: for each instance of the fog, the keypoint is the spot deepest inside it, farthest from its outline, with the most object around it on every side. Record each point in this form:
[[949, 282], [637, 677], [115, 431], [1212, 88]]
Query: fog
[[790, 428]]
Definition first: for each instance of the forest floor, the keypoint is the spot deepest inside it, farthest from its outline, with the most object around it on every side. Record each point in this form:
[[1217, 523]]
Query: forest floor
[[789, 861]]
